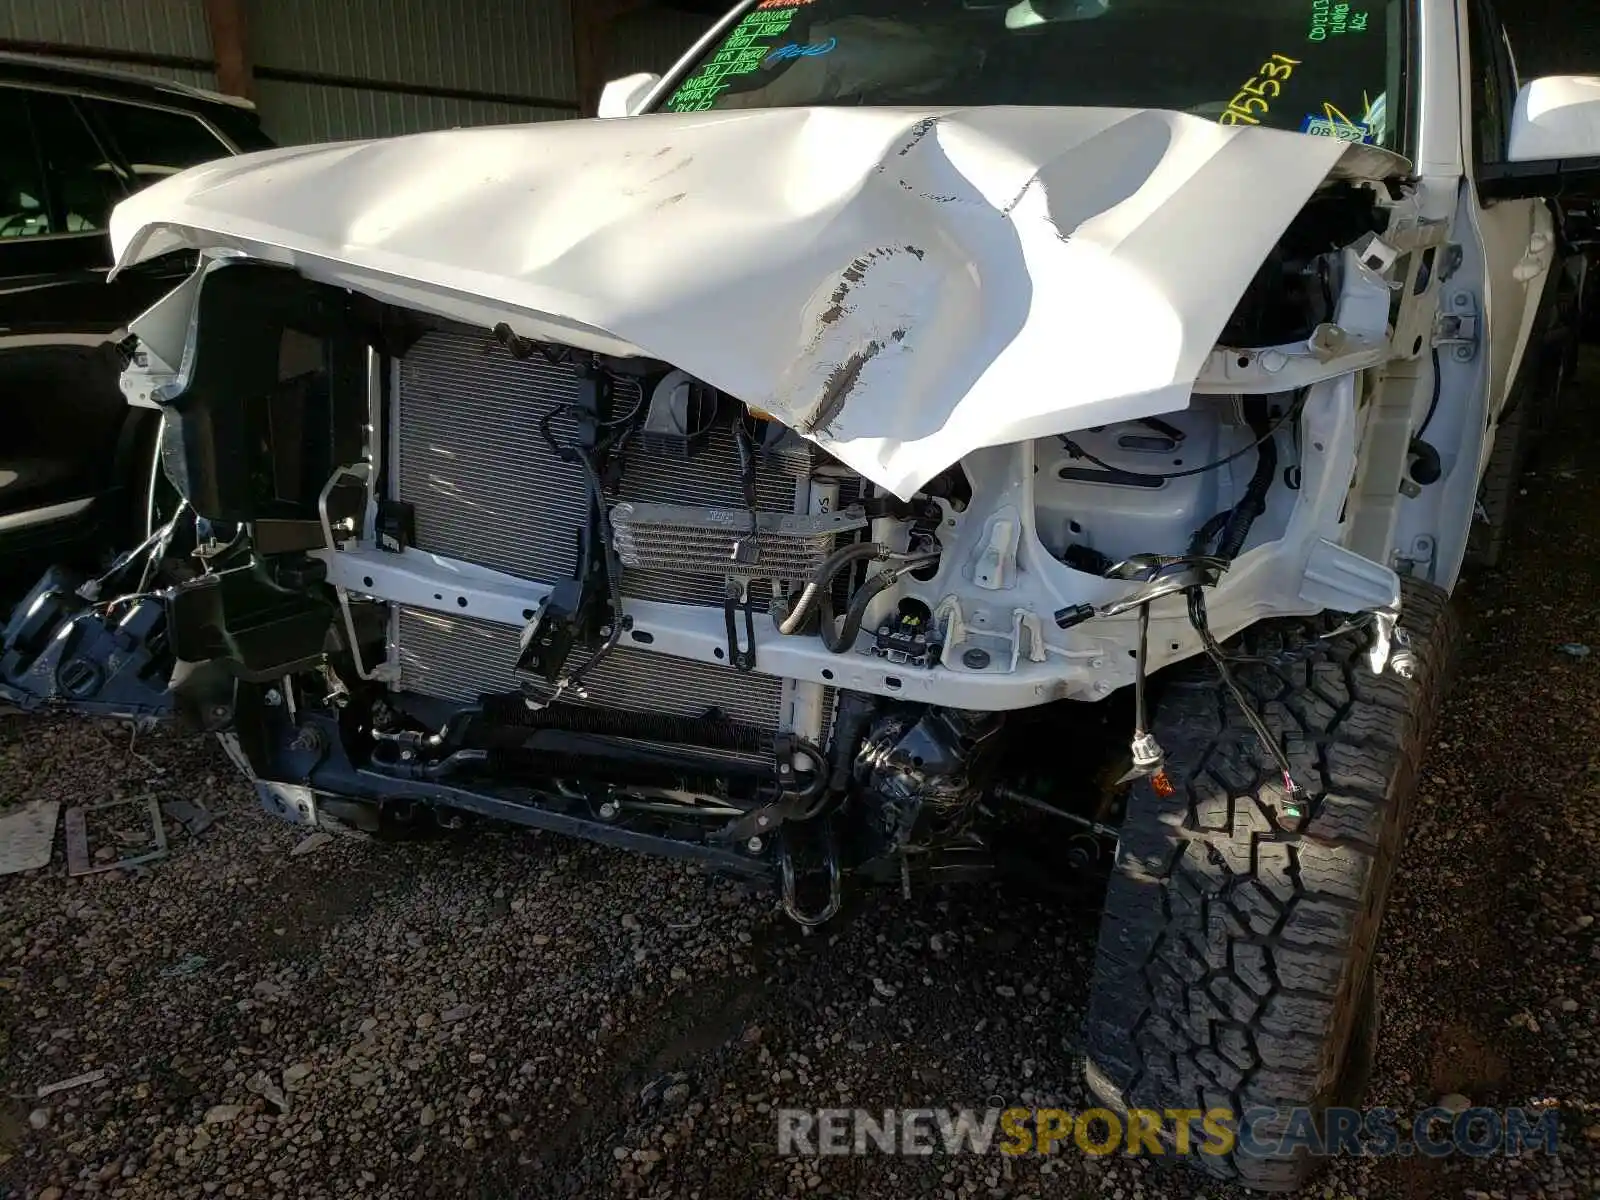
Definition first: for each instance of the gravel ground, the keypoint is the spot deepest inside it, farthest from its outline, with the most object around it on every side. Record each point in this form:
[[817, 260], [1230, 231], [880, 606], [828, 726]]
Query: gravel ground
[[509, 1014]]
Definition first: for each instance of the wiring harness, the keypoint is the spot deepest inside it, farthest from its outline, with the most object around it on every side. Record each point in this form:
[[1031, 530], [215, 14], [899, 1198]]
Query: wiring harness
[[1210, 554]]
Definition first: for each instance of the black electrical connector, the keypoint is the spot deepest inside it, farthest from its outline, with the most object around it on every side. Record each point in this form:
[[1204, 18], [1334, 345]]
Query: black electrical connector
[[908, 639], [1074, 615]]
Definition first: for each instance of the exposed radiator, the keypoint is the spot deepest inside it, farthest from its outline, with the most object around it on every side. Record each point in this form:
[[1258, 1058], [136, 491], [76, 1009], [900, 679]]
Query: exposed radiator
[[458, 658], [485, 486], [488, 489]]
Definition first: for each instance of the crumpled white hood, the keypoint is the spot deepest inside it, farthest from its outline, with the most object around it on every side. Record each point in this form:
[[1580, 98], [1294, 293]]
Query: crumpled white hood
[[902, 286]]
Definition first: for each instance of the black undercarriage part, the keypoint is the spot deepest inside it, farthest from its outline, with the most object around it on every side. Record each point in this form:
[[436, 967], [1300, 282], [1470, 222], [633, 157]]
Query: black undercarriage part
[[712, 731], [728, 790], [920, 771], [303, 764], [772, 778]]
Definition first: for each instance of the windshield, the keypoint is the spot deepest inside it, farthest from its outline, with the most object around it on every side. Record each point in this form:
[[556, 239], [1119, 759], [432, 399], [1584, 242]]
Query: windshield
[[1324, 67]]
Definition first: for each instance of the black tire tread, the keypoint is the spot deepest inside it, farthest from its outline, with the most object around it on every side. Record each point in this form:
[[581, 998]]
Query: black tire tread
[[1233, 949]]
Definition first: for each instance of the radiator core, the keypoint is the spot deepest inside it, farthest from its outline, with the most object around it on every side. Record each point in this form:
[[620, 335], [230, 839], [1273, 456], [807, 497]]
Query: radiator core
[[488, 489], [458, 658]]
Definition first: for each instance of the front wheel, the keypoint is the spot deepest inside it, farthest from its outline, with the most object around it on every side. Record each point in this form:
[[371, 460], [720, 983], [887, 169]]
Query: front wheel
[[1234, 969]]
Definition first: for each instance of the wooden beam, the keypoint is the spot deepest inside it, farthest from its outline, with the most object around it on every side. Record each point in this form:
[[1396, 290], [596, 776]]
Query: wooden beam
[[591, 36], [230, 47]]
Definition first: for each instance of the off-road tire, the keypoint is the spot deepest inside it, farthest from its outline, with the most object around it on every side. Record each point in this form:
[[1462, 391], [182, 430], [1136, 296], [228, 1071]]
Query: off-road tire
[[1237, 943]]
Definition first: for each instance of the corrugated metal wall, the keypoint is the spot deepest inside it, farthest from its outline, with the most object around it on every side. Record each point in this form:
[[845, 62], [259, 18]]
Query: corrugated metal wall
[[292, 113], [166, 27], [651, 40], [515, 48], [509, 54]]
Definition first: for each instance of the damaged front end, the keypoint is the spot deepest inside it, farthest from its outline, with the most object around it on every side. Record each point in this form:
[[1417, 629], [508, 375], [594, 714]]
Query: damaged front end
[[385, 713], [439, 557]]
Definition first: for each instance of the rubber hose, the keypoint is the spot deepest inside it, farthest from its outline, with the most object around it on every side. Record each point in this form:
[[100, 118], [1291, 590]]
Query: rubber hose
[[822, 579], [841, 641]]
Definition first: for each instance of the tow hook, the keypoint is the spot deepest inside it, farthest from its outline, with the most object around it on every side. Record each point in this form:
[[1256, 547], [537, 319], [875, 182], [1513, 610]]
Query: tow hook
[[790, 889]]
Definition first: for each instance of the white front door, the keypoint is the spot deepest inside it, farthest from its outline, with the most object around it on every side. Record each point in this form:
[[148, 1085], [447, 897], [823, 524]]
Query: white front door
[[1519, 236]]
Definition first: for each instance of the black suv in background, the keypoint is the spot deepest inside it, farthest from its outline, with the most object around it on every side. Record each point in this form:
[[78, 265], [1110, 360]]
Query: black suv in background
[[76, 462]]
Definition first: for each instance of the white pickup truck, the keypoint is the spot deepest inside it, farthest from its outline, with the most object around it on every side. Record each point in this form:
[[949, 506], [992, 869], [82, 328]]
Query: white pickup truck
[[908, 434]]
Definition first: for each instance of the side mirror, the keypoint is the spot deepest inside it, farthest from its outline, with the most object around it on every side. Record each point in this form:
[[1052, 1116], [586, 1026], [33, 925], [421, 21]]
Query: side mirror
[[622, 97], [1554, 144], [1557, 118]]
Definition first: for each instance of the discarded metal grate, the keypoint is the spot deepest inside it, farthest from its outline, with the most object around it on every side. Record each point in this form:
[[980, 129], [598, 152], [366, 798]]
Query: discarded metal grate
[[80, 858]]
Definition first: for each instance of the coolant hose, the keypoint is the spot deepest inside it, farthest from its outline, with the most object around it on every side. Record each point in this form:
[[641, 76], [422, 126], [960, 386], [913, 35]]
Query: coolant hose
[[842, 640], [822, 579]]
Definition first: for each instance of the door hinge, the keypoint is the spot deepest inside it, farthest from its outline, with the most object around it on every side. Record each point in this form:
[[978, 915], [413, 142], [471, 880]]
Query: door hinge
[[1459, 325]]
